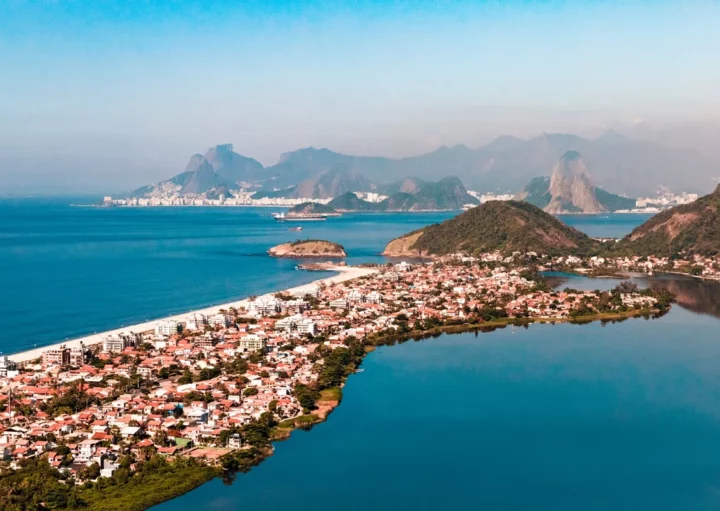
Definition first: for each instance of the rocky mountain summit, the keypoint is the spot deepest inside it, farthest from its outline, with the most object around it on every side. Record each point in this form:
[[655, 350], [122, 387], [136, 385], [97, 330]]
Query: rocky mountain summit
[[570, 189], [218, 168]]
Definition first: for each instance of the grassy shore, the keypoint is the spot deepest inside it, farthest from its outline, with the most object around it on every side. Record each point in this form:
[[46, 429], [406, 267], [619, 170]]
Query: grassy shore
[[487, 326], [150, 490]]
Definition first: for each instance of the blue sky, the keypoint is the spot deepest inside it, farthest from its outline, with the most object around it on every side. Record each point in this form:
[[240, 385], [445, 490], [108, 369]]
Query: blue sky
[[109, 94]]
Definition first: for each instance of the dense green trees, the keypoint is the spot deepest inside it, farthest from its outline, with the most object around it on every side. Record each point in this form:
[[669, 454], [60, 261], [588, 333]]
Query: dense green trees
[[507, 227]]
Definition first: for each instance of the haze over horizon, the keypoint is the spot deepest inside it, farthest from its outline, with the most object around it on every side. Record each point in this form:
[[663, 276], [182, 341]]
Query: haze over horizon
[[109, 96]]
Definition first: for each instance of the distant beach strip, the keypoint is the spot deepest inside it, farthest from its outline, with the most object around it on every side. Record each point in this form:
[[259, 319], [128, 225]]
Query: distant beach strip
[[344, 273]]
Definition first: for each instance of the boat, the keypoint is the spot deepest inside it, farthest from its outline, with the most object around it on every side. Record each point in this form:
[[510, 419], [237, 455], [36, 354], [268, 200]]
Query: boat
[[282, 217], [298, 228]]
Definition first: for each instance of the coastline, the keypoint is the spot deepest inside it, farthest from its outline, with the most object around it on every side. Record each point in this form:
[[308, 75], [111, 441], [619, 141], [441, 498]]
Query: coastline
[[343, 273], [325, 406], [150, 491]]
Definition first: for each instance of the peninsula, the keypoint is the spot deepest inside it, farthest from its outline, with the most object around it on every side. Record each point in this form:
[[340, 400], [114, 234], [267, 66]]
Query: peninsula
[[308, 248], [129, 418]]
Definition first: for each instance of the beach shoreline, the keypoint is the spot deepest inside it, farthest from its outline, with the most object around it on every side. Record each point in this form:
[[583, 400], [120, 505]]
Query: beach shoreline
[[342, 274]]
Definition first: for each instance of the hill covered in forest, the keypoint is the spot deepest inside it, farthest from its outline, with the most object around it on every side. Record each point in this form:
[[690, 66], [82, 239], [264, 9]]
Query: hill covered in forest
[[505, 226], [690, 228]]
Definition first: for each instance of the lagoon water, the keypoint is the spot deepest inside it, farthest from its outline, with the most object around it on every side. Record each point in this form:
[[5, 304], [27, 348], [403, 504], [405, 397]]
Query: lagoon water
[[622, 416]]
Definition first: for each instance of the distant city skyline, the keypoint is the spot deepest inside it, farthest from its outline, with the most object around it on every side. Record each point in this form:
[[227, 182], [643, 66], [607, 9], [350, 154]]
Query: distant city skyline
[[108, 96]]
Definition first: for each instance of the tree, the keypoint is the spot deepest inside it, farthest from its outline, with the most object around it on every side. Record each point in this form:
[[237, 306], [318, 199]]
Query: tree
[[626, 287], [89, 472], [250, 391], [306, 396]]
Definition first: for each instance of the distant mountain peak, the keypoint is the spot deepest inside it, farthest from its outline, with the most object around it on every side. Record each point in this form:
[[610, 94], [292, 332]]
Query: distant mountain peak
[[570, 156], [571, 187], [197, 161], [612, 137]]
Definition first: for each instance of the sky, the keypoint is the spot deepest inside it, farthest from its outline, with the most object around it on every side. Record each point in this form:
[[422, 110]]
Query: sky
[[104, 95]]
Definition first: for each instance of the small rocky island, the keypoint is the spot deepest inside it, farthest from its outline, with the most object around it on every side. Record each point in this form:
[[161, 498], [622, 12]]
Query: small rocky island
[[311, 209], [308, 248]]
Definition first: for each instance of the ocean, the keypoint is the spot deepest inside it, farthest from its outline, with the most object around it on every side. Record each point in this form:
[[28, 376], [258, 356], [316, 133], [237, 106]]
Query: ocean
[[71, 271]]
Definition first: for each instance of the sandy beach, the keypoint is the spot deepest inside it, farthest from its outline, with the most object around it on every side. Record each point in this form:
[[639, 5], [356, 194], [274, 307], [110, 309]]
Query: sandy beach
[[345, 273]]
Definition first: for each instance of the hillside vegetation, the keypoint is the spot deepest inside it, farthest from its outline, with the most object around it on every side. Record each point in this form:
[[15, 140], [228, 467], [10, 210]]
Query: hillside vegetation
[[505, 226], [691, 228], [311, 208], [308, 248], [445, 194]]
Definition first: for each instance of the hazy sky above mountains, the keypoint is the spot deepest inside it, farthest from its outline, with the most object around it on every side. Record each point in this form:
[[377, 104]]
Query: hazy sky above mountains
[[101, 96]]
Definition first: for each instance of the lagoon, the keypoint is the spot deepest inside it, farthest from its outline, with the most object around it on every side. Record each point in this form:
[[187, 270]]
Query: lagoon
[[565, 417]]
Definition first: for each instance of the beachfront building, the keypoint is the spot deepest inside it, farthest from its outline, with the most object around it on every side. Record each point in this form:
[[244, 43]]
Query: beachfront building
[[219, 319], [293, 306], [64, 356], [195, 321], [116, 343], [167, 327], [53, 356], [266, 306], [7, 366]]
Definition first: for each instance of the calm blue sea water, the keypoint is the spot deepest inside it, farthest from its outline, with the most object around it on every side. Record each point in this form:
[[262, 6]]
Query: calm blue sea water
[[69, 271]]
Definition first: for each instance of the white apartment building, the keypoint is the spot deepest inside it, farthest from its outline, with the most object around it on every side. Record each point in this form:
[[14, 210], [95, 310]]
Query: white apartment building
[[293, 306], [219, 319], [252, 343], [7, 367], [339, 303], [116, 343], [195, 321], [296, 324], [167, 327], [266, 306]]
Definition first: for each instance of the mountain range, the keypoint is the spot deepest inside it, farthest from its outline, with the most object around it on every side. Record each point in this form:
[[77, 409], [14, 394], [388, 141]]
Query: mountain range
[[570, 189], [628, 166], [688, 229]]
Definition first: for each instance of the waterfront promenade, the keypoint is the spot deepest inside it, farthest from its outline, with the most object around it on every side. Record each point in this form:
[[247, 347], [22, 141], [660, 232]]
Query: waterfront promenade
[[344, 273]]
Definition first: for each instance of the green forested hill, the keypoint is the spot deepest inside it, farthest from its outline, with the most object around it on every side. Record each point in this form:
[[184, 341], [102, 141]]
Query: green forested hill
[[504, 226], [691, 228]]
